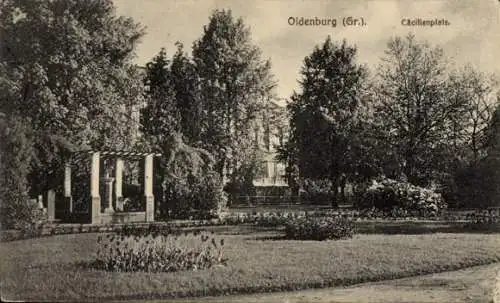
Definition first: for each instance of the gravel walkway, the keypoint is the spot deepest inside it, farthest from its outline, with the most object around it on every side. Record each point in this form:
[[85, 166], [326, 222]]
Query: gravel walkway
[[476, 284]]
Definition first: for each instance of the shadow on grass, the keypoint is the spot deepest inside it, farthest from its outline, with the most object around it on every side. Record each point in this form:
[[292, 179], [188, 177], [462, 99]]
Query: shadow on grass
[[418, 228], [404, 228]]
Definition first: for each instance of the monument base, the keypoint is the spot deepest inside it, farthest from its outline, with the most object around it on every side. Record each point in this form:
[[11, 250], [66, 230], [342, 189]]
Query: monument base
[[150, 208], [122, 217]]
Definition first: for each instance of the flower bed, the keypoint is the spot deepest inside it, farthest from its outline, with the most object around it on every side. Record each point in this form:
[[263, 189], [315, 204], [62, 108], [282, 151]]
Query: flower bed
[[266, 219], [157, 250]]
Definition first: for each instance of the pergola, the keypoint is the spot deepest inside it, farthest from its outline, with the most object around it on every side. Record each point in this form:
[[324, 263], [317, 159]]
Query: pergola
[[112, 183]]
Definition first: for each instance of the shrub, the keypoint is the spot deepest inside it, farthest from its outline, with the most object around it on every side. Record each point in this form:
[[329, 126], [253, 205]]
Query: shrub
[[271, 220], [16, 153], [157, 250], [195, 197], [317, 191], [319, 228], [476, 185], [483, 220], [399, 198], [191, 187]]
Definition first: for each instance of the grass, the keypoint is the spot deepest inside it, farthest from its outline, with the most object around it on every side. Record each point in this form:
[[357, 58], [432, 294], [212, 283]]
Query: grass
[[474, 284], [48, 268]]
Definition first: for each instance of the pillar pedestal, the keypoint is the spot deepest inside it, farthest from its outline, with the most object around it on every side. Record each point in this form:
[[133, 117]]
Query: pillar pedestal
[[108, 189], [149, 201], [95, 210]]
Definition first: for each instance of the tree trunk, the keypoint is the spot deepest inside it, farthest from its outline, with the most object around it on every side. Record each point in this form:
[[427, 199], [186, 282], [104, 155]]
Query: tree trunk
[[335, 183], [343, 183]]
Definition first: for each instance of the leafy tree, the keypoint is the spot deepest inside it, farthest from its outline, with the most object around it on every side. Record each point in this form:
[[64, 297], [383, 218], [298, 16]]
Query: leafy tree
[[415, 111], [160, 117], [185, 84], [234, 83], [476, 91], [325, 125], [187, 184], [476, 182], [472, 173], [287, 154], [66, 66], [493, 132], [431, 122]]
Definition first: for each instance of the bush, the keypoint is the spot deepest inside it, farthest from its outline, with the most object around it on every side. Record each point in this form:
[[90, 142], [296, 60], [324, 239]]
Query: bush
[[399, 198], [319, 228], [157, 251], [317, 191], [191, 187], [271, 219], [476, 185], [16, 153], [195, 197], [484, 220]]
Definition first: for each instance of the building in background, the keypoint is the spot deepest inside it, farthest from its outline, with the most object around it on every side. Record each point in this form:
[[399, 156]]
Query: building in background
[[270, 132]]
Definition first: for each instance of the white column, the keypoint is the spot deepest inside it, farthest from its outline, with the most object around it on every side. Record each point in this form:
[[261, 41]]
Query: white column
[[95, 207], [51, 205], [40, 201], [67, 187], [148, 187], [118, 184]]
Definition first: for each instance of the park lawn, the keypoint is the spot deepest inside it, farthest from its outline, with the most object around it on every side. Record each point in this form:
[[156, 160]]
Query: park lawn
[[50, 268]]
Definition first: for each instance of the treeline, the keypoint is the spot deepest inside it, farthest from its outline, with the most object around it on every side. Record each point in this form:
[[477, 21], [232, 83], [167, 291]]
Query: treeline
[[68, 82], [413, 118]]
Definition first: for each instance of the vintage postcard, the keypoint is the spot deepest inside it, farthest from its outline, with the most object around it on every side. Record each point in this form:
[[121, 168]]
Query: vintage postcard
[[250, 151]]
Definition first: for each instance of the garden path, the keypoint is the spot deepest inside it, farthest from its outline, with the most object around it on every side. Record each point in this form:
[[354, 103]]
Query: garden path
[[475, 284]]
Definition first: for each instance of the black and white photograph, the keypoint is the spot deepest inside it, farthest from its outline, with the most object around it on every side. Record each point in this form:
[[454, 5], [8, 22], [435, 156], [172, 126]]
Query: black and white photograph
[[284, 151]]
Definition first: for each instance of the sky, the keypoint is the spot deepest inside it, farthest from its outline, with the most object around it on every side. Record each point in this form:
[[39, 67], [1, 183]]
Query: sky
[[472, 36]]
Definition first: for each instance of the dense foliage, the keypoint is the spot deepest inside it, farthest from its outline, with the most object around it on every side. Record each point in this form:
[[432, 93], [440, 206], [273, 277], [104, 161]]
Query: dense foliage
[[68, 82], [235, 85], [475, 185], [317, 191], [326, 121], [187, 185], [194, 197], [209, 103], [160, 116], [16, 152], [428, 117], [191, 187], [416, 119], [319, 228], [399, 196], [66, 75], [66, 66]]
